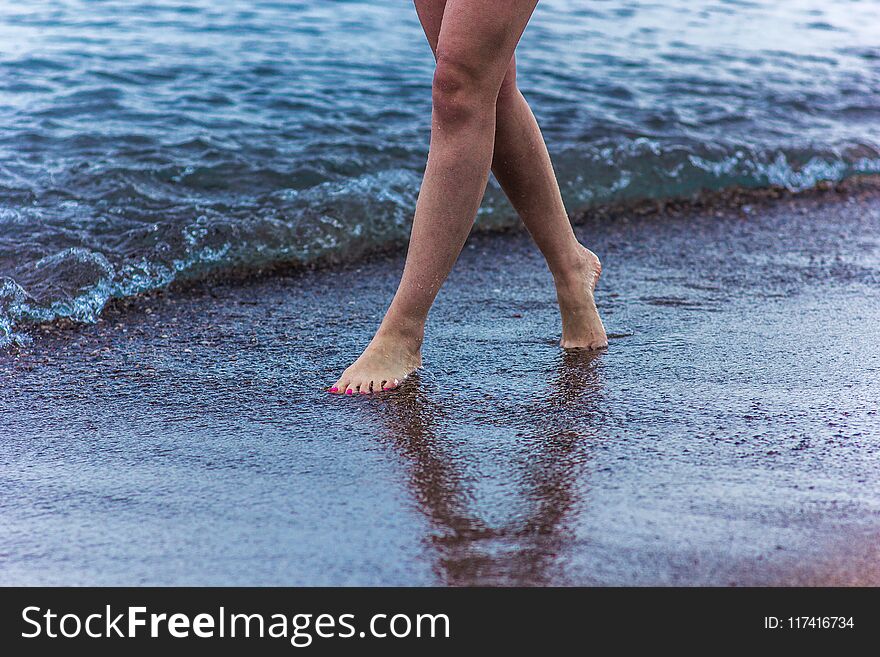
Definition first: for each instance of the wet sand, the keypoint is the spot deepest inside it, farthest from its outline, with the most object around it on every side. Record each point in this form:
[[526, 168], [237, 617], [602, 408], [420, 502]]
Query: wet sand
[[730, 435]]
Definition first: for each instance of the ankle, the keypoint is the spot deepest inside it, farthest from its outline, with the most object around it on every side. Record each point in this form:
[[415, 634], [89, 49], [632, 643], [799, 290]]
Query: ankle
[[408, 332], [570, 270]]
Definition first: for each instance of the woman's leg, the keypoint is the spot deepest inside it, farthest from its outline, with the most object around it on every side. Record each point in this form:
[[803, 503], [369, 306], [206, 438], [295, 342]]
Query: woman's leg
[[474, 48], [522, 166]]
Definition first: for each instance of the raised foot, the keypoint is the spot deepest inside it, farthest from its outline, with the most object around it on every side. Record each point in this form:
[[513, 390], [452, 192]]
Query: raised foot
[[385, 363], [582, 327]]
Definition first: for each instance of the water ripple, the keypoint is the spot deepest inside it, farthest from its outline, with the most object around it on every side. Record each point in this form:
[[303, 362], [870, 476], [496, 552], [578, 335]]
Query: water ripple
[[140, 144]]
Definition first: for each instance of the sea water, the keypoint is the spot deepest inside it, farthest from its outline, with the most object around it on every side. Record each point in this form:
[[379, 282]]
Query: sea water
[[144, 142]]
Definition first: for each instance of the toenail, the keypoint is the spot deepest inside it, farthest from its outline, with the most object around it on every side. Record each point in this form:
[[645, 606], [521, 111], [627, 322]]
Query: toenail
[[334, 389], [348, 392]]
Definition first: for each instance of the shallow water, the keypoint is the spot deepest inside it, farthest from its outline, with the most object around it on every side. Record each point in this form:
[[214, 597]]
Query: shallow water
[[731, 436], [141, 142]]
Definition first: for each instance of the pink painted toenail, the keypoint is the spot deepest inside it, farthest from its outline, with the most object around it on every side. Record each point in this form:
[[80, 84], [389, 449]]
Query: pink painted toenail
[[348, 392], [334, 389]]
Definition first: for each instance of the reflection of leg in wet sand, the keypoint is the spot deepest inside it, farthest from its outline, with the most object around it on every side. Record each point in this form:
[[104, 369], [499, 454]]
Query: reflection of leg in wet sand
[[524, 550]]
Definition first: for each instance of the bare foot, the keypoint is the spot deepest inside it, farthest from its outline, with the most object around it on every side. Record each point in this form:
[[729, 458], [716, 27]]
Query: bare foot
[[581, 325], [385, 363]]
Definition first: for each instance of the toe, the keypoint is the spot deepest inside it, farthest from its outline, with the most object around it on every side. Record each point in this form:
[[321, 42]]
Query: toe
[[390, 384], [338, 388]]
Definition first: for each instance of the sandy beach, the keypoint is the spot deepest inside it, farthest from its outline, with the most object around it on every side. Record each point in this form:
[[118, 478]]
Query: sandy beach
[[730, 435]]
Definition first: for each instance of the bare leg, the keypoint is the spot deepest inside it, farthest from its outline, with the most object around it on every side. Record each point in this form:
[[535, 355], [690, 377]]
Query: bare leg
[[474, 48], [522, 166]]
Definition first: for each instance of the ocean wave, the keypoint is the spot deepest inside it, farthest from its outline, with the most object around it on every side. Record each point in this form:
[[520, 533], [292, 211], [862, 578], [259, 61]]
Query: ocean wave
[[165, 141], [347, 219]]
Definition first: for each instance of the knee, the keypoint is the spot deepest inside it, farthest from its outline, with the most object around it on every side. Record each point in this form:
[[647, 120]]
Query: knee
[[459, 92]]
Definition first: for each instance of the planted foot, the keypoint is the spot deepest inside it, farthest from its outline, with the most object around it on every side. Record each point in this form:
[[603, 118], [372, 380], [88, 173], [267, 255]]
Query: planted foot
[[385, 363]]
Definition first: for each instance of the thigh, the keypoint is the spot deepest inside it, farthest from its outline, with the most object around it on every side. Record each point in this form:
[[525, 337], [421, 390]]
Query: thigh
[[481, 36], [430, 14]]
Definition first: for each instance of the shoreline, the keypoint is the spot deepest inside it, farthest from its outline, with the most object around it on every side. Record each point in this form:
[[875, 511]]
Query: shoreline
[[735, 198], [728, 436]]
